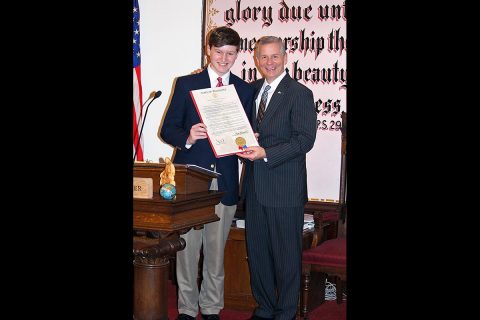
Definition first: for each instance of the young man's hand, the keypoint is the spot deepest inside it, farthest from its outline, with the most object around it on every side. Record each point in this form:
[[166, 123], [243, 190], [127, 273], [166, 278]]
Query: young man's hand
[[197, 131]]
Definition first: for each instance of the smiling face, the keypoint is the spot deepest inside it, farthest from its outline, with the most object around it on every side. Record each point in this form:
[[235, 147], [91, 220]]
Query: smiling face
[[271, 60], [222, 58]]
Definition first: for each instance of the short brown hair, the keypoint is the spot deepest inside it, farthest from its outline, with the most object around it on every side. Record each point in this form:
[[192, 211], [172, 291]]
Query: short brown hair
[[223, 36]]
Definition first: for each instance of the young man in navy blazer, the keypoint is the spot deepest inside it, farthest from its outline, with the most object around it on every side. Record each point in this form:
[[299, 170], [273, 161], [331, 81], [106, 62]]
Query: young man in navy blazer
[[183, 130], [275, 182]]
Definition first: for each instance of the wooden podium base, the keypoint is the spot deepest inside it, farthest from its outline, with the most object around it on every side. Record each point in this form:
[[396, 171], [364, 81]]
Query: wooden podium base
[[151, 267]]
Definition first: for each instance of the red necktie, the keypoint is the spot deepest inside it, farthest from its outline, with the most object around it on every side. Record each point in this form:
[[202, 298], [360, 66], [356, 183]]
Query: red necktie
[[220, 83]]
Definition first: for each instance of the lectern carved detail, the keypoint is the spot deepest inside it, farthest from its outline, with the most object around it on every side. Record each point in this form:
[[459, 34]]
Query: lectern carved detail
[[158, 254]]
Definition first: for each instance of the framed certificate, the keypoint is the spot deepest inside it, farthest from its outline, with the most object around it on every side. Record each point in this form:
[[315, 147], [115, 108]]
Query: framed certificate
[[228, 128]]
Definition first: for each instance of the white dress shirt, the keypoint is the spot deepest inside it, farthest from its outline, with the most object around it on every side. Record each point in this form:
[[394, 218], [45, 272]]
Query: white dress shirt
[[273, 87]]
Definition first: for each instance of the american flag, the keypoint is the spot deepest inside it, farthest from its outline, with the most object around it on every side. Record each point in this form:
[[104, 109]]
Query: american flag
[[137, 83]]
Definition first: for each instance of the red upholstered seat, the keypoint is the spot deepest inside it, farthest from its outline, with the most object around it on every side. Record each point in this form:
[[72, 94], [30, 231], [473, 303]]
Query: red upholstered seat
[[324, 258], [332, 253]]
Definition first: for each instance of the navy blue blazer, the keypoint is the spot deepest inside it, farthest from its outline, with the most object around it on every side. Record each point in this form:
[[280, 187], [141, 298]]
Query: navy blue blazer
[[287, 133], [182, 115]]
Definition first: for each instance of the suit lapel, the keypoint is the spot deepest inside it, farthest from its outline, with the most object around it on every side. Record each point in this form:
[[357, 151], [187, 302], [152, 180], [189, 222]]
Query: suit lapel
[[258, 86], [204, 79], [277, 98]]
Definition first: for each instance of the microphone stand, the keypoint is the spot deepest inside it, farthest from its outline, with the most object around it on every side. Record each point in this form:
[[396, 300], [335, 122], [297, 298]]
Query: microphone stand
[[157, 94]]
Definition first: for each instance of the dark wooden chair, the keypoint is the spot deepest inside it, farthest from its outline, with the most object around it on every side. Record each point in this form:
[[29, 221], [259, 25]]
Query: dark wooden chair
[[325, 258]]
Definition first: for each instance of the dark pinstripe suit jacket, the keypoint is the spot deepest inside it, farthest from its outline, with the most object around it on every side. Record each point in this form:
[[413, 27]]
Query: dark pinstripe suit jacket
[[287, 133], [182, 115]]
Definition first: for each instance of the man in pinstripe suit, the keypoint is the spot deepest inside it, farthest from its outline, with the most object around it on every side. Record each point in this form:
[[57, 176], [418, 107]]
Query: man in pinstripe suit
[[275, 182]]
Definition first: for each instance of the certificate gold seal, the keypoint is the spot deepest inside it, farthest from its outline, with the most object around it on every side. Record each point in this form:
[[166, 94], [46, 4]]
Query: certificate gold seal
[[241, 142]]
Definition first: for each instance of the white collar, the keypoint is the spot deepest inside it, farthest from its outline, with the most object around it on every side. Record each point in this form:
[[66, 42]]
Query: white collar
[[275, 83], [213, 76]]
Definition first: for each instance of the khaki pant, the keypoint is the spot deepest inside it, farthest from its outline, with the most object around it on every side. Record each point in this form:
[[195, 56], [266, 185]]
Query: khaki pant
[[213, 236]]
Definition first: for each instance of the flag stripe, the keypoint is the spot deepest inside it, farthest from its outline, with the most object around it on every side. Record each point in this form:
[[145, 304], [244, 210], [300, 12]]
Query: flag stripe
[[137, 83], [137, 112]]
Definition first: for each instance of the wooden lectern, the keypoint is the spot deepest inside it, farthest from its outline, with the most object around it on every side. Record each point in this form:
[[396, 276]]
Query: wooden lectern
[[193, 206]]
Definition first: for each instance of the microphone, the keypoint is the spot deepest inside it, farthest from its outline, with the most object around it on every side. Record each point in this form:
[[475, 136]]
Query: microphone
[[154, 95]]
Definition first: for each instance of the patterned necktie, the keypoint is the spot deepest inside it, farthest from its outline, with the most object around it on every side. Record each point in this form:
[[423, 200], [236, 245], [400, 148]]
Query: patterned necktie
[[263, 103], [220, 83]]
